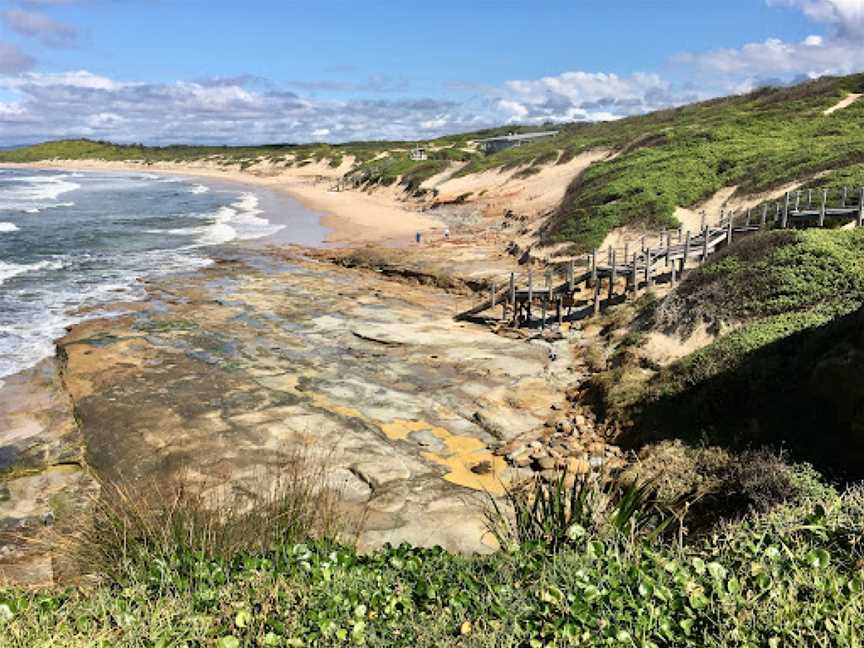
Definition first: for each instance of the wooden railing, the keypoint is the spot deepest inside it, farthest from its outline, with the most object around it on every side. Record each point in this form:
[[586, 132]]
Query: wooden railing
[[638, 267]]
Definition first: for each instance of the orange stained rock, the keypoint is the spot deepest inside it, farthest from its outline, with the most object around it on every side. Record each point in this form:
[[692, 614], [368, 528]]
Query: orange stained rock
[[399, 429], [465, 453], [461, 455]]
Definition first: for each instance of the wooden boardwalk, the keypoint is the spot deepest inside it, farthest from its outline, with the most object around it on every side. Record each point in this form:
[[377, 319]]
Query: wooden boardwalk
[[521, 296]]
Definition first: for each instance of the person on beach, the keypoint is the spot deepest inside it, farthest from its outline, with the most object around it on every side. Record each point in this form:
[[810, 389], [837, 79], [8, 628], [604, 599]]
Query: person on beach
[[446, 233], [417, 237]]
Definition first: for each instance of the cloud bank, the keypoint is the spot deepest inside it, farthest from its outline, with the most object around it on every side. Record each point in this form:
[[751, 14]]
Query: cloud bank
[[247, 109]]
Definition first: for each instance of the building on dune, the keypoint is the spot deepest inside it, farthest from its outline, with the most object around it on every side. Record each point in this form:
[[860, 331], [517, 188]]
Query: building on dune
[[491, 145]]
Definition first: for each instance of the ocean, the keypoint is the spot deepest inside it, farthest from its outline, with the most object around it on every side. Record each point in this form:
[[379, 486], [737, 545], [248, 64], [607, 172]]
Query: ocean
[[72, 243]]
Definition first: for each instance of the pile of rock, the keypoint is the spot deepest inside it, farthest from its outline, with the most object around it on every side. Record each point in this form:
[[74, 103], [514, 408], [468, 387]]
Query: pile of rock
[[569, 442]]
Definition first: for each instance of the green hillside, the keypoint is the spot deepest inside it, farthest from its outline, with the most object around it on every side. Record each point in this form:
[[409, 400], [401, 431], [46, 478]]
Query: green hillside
[[790, 309], [664, 159]]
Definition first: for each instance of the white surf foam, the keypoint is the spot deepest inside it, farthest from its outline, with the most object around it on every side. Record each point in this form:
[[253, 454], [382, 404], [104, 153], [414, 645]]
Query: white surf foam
[[33, 193], [239, 220], [8, 227], [198, 189], [9, 270]]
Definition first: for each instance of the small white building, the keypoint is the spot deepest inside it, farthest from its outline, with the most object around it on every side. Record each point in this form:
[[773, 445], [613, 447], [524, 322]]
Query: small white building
[[418, 153]]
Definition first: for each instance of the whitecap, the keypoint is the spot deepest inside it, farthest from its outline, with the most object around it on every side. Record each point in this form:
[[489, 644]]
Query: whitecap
[[8, 227], [32, 193], [9, 270], [198, 189]]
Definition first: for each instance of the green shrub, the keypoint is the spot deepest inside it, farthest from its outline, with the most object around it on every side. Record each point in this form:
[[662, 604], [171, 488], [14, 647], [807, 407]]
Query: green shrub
[[786, 578]]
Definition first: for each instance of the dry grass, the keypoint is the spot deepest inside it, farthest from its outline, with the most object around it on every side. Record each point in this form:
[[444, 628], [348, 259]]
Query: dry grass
[[134, 524]]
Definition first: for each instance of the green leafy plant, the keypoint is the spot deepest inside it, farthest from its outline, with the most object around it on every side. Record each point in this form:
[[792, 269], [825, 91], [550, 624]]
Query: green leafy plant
[[566, 511]]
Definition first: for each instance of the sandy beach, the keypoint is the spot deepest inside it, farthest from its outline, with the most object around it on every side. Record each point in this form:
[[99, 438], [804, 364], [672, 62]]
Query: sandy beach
[[350, 217]]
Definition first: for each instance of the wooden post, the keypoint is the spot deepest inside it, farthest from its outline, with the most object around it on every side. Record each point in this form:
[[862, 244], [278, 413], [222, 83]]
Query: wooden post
[[843, 200], [570, 276], [612, 276], [729, 233], [597, 298], [704, 244], [809, 198], [543, 318], [764, 215], [492, 307], [513, 293], [672, 276], [593, 269], [687, 247], [747, 223], [559, 311], [634, 287], [861, 208], [822, 208], [530, 295], [643, 244], [702, 220], [680, 227], [648, 270], [626, 252], [777, 213], [785, 221], [797, 200]]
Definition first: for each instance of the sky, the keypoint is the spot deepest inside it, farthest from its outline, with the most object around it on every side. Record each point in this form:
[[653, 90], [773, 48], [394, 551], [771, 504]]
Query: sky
[[266, 71]]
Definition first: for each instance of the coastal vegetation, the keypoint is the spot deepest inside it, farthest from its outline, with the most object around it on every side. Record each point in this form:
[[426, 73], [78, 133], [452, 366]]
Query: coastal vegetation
[[784, 308], [787, 577]]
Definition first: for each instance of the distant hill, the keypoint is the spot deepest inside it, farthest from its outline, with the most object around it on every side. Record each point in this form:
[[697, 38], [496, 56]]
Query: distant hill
[[667, 159]]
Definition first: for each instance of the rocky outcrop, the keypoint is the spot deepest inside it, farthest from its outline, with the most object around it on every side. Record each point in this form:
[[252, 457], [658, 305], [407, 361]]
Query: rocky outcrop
[[223, 376]]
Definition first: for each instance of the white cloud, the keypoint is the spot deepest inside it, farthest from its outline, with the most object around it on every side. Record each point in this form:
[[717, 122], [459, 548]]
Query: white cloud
[[591, 96], [845, 16], [50, 32], [839, 51], [231, 111], [13, 60]]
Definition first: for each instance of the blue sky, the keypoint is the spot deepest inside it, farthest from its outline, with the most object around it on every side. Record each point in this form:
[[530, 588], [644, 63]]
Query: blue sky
[[215, 71]]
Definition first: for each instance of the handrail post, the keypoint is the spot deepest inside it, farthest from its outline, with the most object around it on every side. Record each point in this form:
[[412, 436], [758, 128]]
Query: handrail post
[[530, 296], [704, 244], [764, 215], [512, 293], [785, 221], [612, 275], [861, 208], [648, 283], [823, 207]]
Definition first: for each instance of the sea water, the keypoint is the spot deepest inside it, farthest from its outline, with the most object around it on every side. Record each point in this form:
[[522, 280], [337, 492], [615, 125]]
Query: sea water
[[74, 242]]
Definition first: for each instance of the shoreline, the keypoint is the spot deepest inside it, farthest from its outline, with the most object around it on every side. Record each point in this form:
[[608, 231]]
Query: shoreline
[[351, 218]]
